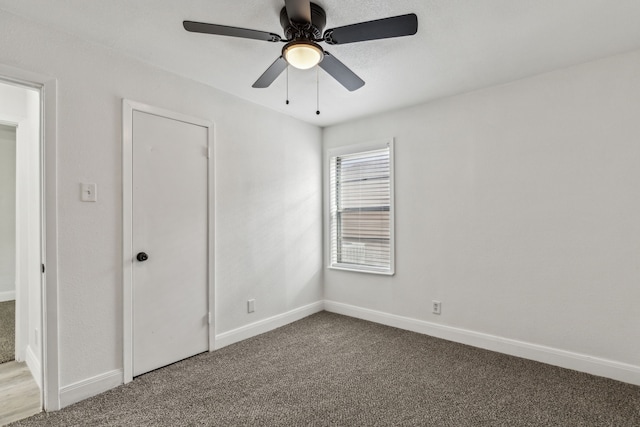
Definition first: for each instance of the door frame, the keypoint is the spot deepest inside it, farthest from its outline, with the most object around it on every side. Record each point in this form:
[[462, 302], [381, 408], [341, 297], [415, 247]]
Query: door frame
[[128, 108], [47, 86]]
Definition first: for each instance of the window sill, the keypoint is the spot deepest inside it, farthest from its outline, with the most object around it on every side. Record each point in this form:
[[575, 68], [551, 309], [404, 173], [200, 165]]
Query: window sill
[[361, 269]]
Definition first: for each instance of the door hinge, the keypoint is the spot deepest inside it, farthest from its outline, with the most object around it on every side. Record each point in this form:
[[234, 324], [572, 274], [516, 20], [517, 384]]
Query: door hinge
[[208, 153], [43, 268], [210, 318]]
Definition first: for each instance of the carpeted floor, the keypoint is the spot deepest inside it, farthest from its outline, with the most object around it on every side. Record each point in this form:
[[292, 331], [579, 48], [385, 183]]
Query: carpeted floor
[[7, 331], [331, 370]]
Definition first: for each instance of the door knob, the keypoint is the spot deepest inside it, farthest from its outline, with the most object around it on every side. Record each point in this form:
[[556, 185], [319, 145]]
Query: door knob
[[142, 256]]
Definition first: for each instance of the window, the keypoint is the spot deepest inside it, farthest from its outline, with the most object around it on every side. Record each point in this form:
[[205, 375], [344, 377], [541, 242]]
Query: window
[[361, 208]]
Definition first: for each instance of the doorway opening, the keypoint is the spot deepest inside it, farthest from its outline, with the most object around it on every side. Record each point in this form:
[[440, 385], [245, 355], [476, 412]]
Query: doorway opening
[[21, 251], [7, 242]]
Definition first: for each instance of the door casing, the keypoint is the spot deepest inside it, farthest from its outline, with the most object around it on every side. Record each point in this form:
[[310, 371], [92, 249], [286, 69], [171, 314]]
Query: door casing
[[128, 107]]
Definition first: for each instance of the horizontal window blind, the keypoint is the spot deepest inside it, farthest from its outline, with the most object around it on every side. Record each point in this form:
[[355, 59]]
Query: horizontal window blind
[[360, 210]]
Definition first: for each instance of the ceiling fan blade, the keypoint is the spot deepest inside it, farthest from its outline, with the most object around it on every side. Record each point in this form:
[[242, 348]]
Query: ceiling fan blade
[[223, 30], [271, 74], [298, 10], [340, 72], [396, 26]]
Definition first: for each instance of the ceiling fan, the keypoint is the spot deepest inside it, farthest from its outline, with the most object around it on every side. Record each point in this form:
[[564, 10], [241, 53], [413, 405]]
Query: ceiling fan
[[303, 23]]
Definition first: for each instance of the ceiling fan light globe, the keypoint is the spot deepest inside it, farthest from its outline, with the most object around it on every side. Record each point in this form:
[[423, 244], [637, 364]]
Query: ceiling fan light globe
[[303, 55]]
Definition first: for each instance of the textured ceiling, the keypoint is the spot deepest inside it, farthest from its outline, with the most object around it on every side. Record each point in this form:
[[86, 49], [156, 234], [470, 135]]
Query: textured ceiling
[[461, 45]]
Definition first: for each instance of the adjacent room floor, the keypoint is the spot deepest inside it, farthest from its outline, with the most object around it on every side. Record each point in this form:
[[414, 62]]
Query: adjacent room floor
[[7, 331], [19, 393]]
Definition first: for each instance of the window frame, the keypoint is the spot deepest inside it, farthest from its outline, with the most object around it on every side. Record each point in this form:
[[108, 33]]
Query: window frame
[[355, 149]]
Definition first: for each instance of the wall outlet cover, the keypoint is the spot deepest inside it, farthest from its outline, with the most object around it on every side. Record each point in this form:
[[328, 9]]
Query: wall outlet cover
[[436, 307]]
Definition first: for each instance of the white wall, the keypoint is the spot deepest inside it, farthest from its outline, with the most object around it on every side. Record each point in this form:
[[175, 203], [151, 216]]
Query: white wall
[[517, 207], [7, 212], [268, 174]]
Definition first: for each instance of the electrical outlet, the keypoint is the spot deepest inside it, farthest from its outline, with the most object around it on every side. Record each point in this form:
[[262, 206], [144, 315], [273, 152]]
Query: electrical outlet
[[251, 306], [436, 307]]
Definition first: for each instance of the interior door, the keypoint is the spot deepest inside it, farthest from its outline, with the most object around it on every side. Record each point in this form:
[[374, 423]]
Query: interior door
[[169, 240]]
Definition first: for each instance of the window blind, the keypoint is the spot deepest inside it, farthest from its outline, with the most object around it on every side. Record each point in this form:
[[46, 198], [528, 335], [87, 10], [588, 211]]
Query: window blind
[[360, 209]]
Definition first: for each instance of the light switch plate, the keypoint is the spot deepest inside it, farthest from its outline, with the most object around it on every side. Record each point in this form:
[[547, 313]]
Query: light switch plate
[[89, 192]]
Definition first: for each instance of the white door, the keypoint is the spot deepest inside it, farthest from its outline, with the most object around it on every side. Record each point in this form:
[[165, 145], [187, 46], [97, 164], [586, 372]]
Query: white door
[[169, 225]]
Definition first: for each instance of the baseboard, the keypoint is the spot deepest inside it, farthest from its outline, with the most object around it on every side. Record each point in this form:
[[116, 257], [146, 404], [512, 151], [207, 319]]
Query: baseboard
[[552, 356], [85, 389], [7, 296], [266, 325], [33, 362]]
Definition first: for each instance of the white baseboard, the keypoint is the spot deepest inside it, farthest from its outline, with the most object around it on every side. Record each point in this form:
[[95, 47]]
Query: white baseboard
[[552, 356], [33, 362], [7, 296], [266, 325], [85, 389]]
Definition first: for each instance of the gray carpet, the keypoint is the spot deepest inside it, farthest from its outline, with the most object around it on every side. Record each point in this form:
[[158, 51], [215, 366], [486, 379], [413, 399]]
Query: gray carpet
[[7, 331], [331, 370]]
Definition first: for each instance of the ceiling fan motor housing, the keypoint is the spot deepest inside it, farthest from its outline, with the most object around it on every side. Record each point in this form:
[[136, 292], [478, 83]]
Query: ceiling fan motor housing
[[303, 30]]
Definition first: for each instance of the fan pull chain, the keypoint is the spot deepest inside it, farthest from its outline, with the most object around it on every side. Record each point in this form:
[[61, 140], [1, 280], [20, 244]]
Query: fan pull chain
[[287, 85], [317, 90]]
